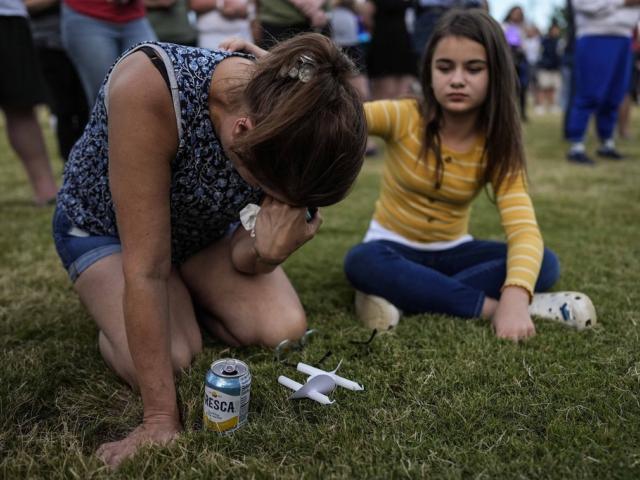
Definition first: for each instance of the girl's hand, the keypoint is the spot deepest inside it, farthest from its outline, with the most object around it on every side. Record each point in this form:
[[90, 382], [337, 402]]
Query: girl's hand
[[237, 44], [511, 319], [160, 431], [281, 229]]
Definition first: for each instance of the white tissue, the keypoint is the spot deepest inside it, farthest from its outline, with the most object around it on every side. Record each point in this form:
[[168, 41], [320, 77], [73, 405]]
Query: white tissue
[[248, 216]]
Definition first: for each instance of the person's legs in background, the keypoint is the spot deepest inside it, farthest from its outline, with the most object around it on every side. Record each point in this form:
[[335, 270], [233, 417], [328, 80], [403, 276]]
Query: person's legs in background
[[134, 32], [92, 46], [21, 89], [25, 136], [66, 97], [523, 90], [618, 49], [361, 83], [630, 99], [624, 117], [592, 91], [425, 23], [586, 95]]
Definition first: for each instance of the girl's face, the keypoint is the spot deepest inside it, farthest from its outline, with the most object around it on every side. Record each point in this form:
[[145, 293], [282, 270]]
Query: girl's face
[[459, 75]]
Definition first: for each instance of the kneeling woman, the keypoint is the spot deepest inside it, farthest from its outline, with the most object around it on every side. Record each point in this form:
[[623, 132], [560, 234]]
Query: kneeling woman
[[179, 141]]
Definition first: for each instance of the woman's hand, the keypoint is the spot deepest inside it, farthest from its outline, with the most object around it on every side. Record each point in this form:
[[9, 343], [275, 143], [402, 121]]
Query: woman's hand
[[159, 430], [281, 229], [511, 319], [237, 44], [234, 9]]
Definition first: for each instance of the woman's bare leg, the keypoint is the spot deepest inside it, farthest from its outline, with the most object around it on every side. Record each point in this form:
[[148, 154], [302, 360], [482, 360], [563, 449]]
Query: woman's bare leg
[[25, 136], [243, 309], [101, 289]]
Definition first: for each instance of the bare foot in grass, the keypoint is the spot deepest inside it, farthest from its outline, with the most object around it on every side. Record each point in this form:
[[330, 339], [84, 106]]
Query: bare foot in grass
[[150, 432]]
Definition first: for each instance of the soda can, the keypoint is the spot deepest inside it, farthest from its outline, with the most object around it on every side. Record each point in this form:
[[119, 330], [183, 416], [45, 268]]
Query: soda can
[[227, 386]]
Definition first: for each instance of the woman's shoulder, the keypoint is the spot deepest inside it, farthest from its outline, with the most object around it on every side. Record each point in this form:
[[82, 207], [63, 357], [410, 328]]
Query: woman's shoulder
[[137, 90], [134, 75]]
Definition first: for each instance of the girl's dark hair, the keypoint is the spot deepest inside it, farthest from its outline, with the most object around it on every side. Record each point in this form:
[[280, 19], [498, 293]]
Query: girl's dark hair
[[309, 139], [499, 119]]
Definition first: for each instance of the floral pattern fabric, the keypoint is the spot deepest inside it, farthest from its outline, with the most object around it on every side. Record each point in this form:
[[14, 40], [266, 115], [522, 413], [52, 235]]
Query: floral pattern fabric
[[207, 193]]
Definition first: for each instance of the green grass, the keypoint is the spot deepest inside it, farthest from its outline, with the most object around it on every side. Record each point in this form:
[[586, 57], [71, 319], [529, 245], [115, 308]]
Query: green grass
[[444, 398]]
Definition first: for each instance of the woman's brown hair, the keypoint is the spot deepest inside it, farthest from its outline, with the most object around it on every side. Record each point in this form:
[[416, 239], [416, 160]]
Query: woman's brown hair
[[309, 137], [499, 119]]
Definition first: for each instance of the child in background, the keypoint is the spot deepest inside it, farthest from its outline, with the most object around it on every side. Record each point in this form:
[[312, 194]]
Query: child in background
[[549, 76], [417, 255]]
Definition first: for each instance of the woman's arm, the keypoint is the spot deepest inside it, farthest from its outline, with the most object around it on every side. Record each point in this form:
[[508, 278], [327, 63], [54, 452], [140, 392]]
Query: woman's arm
[[279, 231], [142, 142]]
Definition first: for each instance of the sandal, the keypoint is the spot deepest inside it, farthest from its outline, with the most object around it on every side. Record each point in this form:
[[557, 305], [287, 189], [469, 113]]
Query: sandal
[[574, 309]]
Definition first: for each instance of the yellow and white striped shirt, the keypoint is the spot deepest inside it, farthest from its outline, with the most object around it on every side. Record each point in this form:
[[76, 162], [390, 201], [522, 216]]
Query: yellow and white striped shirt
[[412, 207]]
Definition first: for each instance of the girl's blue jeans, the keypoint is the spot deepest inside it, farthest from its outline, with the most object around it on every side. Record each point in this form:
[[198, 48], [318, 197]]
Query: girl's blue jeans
[[453, 282]]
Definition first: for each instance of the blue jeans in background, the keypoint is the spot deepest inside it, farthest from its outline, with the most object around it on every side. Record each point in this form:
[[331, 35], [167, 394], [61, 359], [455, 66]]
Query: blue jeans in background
[[601, 71], [454, 281], [94, 45]]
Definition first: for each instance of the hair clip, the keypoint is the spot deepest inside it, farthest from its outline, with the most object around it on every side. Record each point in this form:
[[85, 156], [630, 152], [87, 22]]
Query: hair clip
[[304, 69]]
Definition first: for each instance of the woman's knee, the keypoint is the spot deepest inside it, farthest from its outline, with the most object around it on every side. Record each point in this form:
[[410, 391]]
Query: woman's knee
[[290, 325], [549, 271]]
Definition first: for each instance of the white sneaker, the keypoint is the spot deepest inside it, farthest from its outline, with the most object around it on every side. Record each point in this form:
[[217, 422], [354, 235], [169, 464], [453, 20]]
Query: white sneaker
[[376, 312], [574, 309]]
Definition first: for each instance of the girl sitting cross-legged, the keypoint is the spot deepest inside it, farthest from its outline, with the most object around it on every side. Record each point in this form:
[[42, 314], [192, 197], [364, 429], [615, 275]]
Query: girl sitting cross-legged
[[417, 256]]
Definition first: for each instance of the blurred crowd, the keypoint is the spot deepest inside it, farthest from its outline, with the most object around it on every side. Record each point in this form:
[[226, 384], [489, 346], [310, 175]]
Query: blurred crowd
[[60, 51]]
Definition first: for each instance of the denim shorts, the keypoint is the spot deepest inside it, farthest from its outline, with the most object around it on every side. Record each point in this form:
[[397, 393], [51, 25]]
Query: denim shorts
[[78, 249]]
